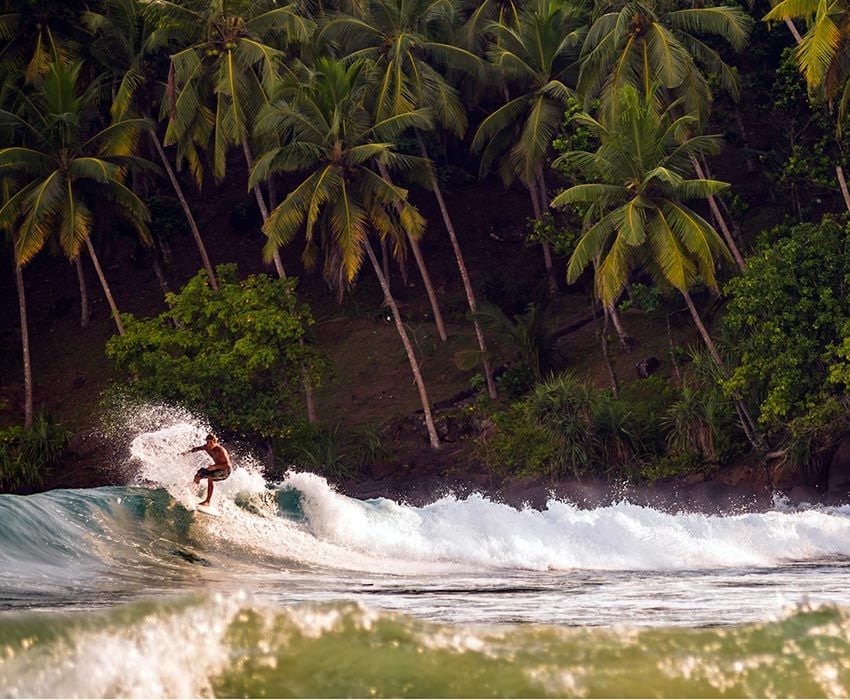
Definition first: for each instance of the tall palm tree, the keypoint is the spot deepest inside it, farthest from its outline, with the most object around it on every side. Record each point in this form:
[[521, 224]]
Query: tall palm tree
[[639, 179], [121, 48], [407, 40], [651, 42], [334, 141], [637, 182], [534, 50], [822, 55], [67, 165], [228, 57]]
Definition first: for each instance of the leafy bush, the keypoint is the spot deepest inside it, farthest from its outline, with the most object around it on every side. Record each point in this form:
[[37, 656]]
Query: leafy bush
[[789, 319], [234, 355], [25, 453]]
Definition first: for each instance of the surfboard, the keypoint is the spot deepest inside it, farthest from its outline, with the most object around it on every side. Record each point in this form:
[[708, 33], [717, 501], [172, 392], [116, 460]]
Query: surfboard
[[208, 510]]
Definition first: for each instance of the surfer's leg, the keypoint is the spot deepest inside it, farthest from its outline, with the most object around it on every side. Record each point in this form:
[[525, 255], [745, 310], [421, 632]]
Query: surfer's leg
[[206, 501]]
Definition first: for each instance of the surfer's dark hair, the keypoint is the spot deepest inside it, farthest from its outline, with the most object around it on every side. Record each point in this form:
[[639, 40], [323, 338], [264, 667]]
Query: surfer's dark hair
[[211, 436]]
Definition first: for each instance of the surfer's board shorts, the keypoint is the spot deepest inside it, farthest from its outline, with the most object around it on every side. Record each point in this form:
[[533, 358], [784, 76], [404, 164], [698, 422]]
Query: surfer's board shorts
[[217, 474]]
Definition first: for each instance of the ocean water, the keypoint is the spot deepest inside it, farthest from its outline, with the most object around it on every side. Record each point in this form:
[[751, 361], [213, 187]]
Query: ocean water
[[299, 591]]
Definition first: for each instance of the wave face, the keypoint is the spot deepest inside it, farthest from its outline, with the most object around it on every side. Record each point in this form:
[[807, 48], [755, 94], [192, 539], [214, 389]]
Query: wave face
[[230, 646], [462, 597]]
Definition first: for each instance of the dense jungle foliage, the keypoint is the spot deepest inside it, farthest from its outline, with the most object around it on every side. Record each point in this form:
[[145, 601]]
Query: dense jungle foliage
[[678, 156]]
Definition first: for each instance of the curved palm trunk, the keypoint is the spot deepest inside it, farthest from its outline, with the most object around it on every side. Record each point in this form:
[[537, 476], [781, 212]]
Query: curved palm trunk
[[107, 292], [626, 340], [606, 355], [423, 269], [25, 347], [196, 234], [411, 356], [85, 308], [839, 171], [309, 398], [261, 203], [544, 207], [712, 203], [461, 266], [740, 407], [547, 254]]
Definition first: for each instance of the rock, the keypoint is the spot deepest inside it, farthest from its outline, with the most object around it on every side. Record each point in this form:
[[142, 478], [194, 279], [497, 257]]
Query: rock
[[839, 468]]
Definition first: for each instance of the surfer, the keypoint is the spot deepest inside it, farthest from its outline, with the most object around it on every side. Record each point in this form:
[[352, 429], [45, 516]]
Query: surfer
[[219, 470]]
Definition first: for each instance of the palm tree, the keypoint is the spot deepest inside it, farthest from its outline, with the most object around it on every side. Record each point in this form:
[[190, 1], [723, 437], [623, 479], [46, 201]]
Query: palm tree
[[334, 141], [67, 166], [120, 47], [652, 42], [220, 76], [534, 50], [406, 40], [822, 55], [639, 178], [637, 182]]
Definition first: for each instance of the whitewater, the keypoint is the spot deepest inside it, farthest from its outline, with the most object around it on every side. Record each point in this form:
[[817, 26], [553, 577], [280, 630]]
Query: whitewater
[[297, 590]]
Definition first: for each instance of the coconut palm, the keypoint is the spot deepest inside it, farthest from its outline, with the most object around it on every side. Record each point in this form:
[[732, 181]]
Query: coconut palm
[[645, 43], [534, 51], [652, 42], [68, 166], [120, 47], [638, 181], [228, 57], [822, 55], [334, 141], [407, 41]]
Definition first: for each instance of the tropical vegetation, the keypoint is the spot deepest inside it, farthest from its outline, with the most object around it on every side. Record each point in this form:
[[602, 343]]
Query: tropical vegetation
[[684, 163]]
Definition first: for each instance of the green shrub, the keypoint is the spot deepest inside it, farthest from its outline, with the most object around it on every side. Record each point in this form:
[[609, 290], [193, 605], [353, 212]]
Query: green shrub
[[519, 446], [24, 454], [234, 355]]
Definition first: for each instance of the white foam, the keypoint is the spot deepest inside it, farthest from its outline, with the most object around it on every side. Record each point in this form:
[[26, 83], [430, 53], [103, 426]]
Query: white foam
[[478, 531], [384, 536]]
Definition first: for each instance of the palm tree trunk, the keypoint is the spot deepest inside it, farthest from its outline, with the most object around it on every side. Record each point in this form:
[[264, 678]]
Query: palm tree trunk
[[261, 203], [281, 272], [603, 334], [461, 266], [626, 340], [793, 29], [544, 208], [423, 269], [745, 419], [712, 203], [842, 183], [547, 255], [25, 346], [85, 308], [105, 285], [839, 171], [196, 234], [411, 356]]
